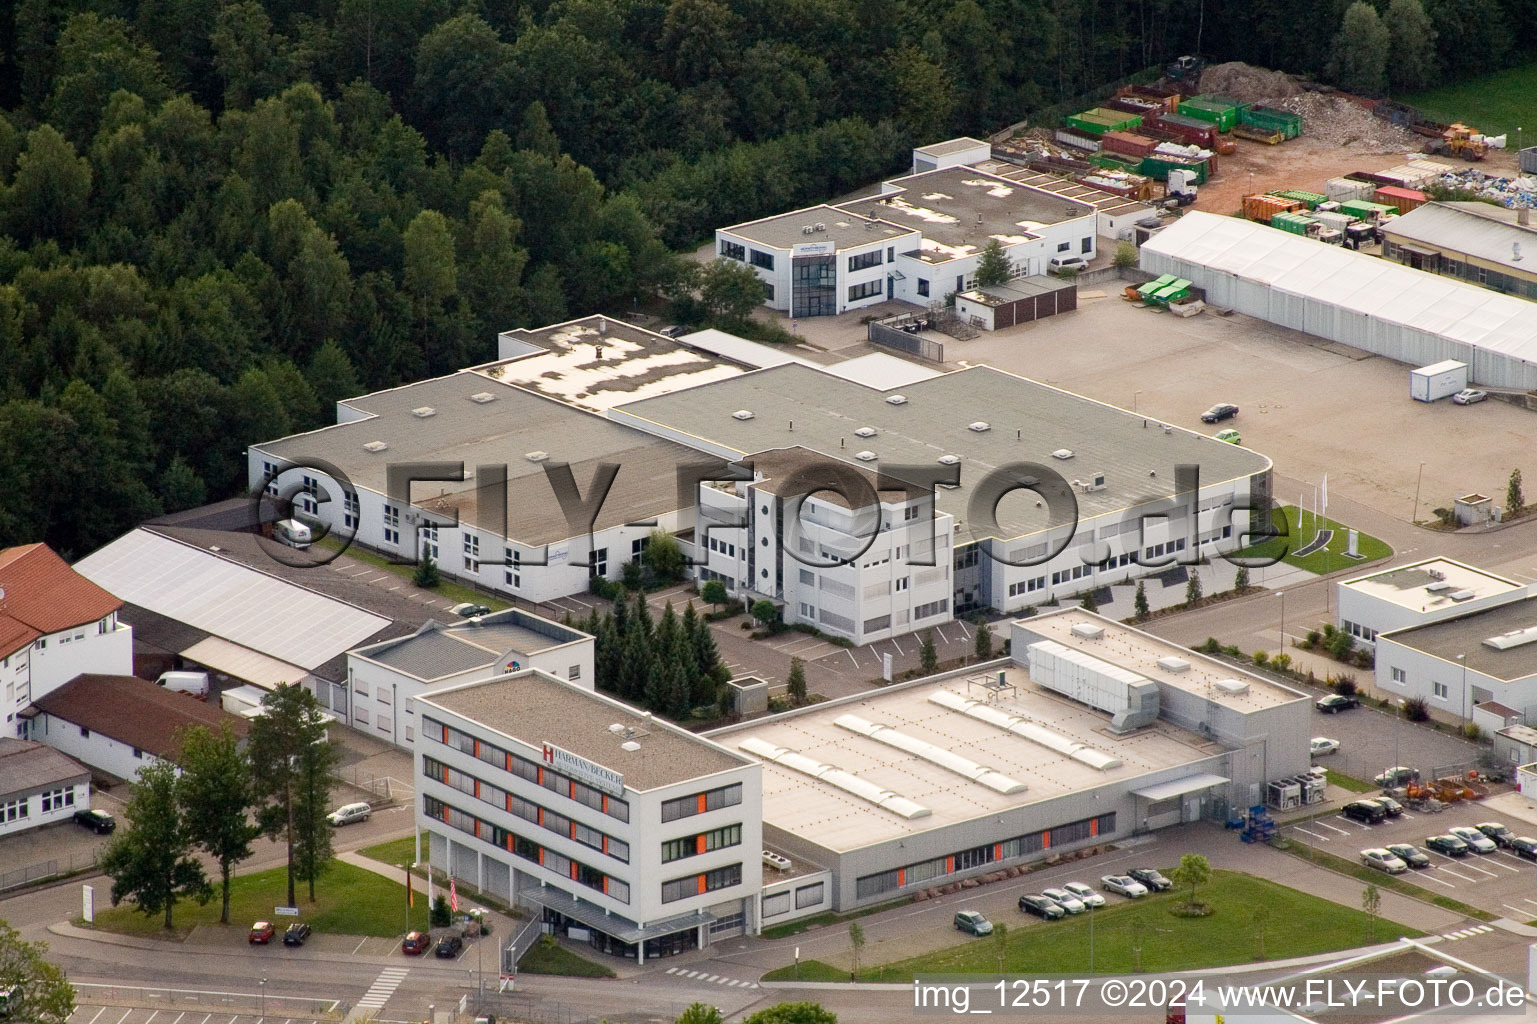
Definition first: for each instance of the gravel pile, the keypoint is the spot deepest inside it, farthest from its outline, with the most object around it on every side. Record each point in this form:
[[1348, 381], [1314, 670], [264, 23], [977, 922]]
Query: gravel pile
[[1338, 121], [1249, 83]]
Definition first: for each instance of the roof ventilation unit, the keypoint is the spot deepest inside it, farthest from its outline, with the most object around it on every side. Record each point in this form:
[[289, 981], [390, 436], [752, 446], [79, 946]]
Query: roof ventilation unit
[[376, 446], [865, 456], [1515, 638], [807, 229], [980, 427], [866, 432], [1062, 453], [820, 226], [1462, 595], [897, 400], [1088, 631], [629, 745], [1173, 664], [1438, 586], [949, 460], [423, 412], [742, 414], [536, 456], [482, 397], [1232, 687], [1130, 698]]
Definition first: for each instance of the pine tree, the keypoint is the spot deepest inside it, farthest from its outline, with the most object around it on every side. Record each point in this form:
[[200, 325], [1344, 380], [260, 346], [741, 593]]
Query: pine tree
[[1193, 589], [928, 654], [1088, 603], [993, 266], [1515, 501], [426, 574], [1241, 579], [1139, 603], [795, 685]]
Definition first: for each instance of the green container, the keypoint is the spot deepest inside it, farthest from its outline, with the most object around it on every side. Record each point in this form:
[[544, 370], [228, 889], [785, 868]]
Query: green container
[[1116, 161], [1309, 199], [1100, 120], [1282, 121], [1369, 212], [1221, 113], [1158, 167], [1172, 292], [1147, 291], [1294, 223]]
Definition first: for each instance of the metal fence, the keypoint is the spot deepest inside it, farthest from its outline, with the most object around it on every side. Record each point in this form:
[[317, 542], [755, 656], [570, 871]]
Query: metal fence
[[291, 1007], [43, 870], [901, 333]]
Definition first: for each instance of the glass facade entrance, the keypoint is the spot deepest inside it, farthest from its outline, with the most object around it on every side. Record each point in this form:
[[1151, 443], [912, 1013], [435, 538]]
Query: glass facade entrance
[[559, 924], [813, 286]]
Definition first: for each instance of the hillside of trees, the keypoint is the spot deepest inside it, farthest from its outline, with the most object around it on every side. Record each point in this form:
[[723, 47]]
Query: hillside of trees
[[219, 216]]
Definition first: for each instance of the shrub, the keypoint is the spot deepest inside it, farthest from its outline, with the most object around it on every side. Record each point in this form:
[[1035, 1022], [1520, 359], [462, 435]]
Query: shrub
[[1232, 651], [1329, 631], [1125, 255], [441, 916], [1363, 658], [426, 575], [1340, 644], [1088, 603], [1345, 685], [1416, 710], [764, 611], [1211, 646], [633, 574], [1472, 731], [1241, 579], [1313, 639], [1261, 659], [1282, 661]]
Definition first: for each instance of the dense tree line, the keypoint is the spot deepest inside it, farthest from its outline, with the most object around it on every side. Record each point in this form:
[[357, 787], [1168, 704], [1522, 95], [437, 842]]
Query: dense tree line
[[668, 664], [219, 216]]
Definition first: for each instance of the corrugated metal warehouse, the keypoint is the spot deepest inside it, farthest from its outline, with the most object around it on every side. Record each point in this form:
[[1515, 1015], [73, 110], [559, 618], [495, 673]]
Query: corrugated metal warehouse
[[1350, 297]]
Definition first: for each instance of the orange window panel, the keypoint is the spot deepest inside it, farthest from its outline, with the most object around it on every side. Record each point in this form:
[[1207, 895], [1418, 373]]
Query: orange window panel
[[701, 881], [1045, 840], [701, 803], [573, 869], [949, 865], [997, 851], [1093, 826], [699, 843], [901, 877]]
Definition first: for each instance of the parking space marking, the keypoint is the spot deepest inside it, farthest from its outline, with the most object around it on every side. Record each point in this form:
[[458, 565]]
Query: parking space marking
[[1325, 824], [1429, 876], [1482, 871], [1454, 874], [1502, 864], [1315, 835], [1357, 824], [179, 1016], [152, 1017], [98, 1014]]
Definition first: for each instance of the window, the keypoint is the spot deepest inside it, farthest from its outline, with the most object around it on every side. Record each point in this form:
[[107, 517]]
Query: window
[[639, 546], [138, 753], [1439, 691], [430, 542], [1088, 245], [901, 584], [761, 259], [1400, 676], [1064, 246], [864, 291], [85, 733], [382, 694], [574, 673], [471, 553], [599, 566], [55, 799], [11, 810], [891, 254], [777, 904], [704, 842], [733, 250], [696, 885], [808, 612], [699, 803], [392, 524], [808, 896], [924, 611], [768, 296], [910, 512], [349, 510], [865, 260], [270, 472], [513, 573], [923, 286]]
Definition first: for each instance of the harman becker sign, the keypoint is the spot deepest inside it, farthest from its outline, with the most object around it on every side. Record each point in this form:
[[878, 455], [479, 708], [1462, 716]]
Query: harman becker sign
[[814, 249], [583, 770]]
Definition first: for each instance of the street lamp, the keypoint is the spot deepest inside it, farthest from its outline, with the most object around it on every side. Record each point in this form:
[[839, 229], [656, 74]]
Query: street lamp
[[1282, 595], [1462, 659], [1415, 517], [263, 989], [1134, 395], [1398, 728]]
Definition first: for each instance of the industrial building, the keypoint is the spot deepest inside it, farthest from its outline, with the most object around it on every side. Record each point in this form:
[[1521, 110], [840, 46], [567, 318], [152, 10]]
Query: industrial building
[[1458, 664], [1116, 215], [918, 240], [38, 786], [1093, 732], [1018, 302], [1430, 590], [620, 829], [820, 530], [1483, 244], [1350, 297], [383, 677]]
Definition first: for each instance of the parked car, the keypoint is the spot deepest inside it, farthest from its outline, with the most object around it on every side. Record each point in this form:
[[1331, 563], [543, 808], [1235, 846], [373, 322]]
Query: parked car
[[1152, 878], [1468, 396], [1229, 435], [469, 609], [1336, 702], [675, 331], [97, 821], [1447, 846], [1123, 885], [1085, 894], [1501, 835], [1219, 412], [1073, 264], [449, 946], [1524, 846], [1476, 840], [416, 943], [1041, 906], [296, 933], [1318, 746], [261, 933], [1410, 854], [1383, 860], [1369, 811], [973, 923], [347, 814], [1391, 807], [1066, 900], [1396, 777]]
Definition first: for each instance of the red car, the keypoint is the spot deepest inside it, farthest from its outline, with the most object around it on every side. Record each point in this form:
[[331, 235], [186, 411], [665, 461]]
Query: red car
[[415, 944], [262, 932]]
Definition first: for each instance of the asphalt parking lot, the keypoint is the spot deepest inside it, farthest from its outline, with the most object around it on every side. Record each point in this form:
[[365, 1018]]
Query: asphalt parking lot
[[1372, 741]]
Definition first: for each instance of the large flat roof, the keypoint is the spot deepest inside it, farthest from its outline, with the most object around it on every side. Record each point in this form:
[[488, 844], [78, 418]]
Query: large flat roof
[[1140, 652], [960, 209], [799, 406], [959, 145], [597, 361], [435, 652], [1466, 636], [844, 229], [535, 708], [1428, 584], [837, 819], [1473, 229], [1067, 188], [473, 419]]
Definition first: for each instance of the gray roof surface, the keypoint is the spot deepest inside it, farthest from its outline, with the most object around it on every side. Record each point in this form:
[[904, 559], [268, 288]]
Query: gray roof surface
[[1466, 636], [959, 145], [501, 431], [1104, 202], [844, 229], [959, 209], [430, 655], [1019, 288], [935, 421], [26, 767], [534, 708], [1460, 228]]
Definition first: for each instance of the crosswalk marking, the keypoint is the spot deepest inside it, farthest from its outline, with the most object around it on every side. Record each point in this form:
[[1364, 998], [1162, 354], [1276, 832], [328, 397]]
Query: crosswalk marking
[[383, 987]]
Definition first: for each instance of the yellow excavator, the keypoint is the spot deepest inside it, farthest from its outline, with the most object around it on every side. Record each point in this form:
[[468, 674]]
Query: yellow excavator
[[1468, 143]]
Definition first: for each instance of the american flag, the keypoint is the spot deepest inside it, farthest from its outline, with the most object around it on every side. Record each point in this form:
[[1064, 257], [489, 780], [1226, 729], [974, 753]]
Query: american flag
[[453, 895]]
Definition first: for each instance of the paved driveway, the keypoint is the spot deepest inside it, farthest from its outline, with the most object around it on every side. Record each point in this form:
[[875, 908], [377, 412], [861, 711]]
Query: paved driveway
[[1372, 740]]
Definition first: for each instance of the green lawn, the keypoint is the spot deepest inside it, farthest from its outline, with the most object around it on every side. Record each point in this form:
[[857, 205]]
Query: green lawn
[[350, 901], [455, 593], [394, 852], [1230, 935], [1350, 782], [1495, 104], [549, 957], [1293, 536]]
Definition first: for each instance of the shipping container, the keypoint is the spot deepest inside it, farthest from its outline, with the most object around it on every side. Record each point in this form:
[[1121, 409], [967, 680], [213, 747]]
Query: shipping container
[[1126, 142], [1262, 207], [1116, 162], [1166, 97], [1222, 113], [1404, 199], [1078, 140], [1132, 105], [1270, 118], [1202, 133], [1098, 121], [1528, 159], [1269, 136], [1309, 199], [1157, 167], [1438, 380], [1345, 189], [1372, 213], [1226, 147]]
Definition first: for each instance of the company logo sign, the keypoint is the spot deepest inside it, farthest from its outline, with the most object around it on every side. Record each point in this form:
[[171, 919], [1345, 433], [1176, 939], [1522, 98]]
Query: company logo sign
[[814, 249], [582, 770]]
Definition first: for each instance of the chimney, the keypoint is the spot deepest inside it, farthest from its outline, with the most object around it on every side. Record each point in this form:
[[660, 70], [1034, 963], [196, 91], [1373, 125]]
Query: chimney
[[1524, 216]]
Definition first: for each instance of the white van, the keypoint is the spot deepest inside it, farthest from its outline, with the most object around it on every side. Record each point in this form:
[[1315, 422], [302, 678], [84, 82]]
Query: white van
[[346, 814], [194, 684], [293, 533]]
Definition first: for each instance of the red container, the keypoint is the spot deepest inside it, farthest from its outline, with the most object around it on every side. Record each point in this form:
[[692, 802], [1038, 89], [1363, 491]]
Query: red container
[[1405, 199], [1128, 143], [1199, 132]]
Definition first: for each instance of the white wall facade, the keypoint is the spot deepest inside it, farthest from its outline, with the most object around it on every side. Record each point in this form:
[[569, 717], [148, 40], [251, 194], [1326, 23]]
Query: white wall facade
[[22, 811], [104, 647], [1364, 616], [1445, 684], [1074, 237], [90, 748], [850, 251]]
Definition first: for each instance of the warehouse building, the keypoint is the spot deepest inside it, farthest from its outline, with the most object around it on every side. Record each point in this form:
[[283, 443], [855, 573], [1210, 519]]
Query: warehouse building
[[817, 531], [1419, 593], [1459, 664], [1350, 297], [918, 240], [1486, 245], [620, 829], [1092, 733], [1018, 302]]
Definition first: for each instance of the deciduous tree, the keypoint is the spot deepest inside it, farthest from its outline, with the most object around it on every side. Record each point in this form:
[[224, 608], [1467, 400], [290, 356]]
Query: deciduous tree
[[150, 861], [46, 997], [217, 795]]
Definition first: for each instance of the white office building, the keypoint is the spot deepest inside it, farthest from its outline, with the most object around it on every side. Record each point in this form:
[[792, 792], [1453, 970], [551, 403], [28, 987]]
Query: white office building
[[1458, 664], [619, 829], [1430, 590]]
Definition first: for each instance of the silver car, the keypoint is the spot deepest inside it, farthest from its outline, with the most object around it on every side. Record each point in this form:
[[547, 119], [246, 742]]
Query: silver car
[[1476, 840], [1123, 885], [1384, 860], [1087, 896], [1066, 900], [1467, 396]]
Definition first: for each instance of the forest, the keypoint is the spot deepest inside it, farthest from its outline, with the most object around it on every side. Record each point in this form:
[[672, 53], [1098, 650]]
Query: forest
[[217, 217]]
